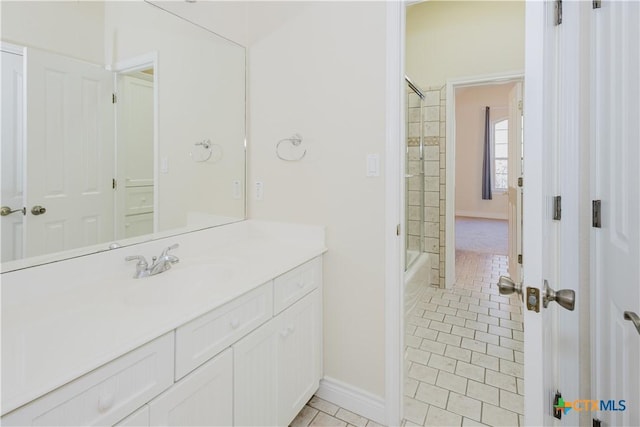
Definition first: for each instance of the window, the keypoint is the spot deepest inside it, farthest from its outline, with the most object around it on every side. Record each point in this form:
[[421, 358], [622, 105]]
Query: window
[[500, 154]]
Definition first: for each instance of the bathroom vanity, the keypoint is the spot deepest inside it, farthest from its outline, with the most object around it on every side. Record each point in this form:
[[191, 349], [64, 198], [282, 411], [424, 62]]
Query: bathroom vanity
[[230, 335]]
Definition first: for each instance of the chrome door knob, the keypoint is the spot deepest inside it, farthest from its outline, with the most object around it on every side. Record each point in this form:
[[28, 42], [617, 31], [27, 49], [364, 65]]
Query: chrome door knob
[[38, 210], [506, 286], [565, 297]]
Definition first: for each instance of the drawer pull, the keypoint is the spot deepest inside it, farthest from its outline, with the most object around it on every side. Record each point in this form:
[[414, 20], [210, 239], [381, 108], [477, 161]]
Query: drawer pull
[[234, 323], [284, 333], [105, 403], [301, 284]]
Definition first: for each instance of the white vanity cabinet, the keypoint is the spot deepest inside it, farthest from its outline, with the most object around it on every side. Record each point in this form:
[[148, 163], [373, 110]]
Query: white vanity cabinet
[[105, 395], [253, 360], [202, 398], [277, 368]]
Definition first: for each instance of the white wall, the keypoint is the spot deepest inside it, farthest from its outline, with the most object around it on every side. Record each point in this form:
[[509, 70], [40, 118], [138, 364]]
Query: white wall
[[201, 84], [55, 26], [470, 105], [448, 39], [318, 68]]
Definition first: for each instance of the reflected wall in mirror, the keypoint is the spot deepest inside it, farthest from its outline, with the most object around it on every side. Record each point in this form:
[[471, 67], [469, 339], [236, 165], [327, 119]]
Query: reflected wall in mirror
[[120, 122]]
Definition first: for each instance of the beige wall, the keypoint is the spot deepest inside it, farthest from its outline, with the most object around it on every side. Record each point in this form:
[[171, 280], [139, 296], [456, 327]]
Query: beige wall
[[470, 105], [318, 68], [448, 39], [55, 26]]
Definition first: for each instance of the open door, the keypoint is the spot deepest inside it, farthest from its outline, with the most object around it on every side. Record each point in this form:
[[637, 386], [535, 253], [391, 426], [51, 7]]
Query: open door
[[616, 238], [551, 201], [70, 153], [515, 182]]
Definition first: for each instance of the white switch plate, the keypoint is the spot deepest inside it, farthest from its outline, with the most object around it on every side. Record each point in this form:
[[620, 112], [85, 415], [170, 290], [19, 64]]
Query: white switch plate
[[373, 165], [237, 189], [259, 190], [164, 165]]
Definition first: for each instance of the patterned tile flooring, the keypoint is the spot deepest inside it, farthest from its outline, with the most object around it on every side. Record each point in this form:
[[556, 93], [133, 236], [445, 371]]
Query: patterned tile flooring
[[464, 363], [464, 353]]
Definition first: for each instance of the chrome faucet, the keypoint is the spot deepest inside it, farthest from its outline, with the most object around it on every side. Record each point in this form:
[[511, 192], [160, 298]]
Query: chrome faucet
[[160, 264]]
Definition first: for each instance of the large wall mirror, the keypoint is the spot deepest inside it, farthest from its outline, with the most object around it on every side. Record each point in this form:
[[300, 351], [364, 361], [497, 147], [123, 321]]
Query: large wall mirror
[[121, 122]]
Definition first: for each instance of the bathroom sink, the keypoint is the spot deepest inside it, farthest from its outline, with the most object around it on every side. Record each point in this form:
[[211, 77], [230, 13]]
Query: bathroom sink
[[180, 285]]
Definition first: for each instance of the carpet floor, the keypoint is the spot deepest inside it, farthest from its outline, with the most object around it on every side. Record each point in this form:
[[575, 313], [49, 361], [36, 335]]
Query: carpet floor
[[488, 236]]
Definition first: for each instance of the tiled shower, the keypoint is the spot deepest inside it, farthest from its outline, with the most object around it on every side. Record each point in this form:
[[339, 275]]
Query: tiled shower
[[425, 178]]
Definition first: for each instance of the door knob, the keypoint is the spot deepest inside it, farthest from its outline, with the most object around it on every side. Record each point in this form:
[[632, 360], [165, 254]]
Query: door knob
[[633, 318], [6, 210], [38, 210], [506, 286], [565, 297]]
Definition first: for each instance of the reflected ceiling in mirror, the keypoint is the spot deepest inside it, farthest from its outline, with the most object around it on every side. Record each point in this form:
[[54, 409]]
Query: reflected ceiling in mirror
[[121, 122]]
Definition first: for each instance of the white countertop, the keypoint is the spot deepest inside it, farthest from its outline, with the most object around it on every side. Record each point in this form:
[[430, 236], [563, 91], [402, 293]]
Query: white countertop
[[62, 320]]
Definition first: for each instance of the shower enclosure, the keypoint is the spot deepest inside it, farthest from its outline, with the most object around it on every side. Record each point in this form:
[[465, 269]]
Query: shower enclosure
[[414, 176]]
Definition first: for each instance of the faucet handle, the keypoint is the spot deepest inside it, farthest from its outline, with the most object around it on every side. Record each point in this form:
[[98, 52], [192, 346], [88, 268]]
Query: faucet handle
[[170, 248], [141, 260]]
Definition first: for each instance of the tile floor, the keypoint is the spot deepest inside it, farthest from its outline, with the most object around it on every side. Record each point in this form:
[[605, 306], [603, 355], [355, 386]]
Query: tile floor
[[321, 413], [464, 356]]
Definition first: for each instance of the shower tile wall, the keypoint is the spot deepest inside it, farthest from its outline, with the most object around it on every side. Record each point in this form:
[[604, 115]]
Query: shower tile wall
[[433, 122]]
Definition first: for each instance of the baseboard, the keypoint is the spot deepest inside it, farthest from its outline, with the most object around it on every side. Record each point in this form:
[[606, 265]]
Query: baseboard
[[353, 399], [486, 215]]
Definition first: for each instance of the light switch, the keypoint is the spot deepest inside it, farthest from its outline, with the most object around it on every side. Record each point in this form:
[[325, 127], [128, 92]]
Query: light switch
[[237, 189], [164, 165], [373, 165], [259, 190]]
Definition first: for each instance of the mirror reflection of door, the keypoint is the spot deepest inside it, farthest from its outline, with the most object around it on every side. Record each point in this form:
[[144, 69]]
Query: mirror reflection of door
[[65, 184], [12, 154], [135, 189]]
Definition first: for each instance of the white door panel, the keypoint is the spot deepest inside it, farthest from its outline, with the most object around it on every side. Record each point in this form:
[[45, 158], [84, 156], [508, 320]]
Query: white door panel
[[12, 154], [616, 254], [515, 172], [70, 152]]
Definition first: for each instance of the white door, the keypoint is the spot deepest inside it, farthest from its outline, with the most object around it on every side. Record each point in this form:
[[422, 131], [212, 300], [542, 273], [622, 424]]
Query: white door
[[135, 155], [616, 182], [515, 190], [70, 152], [12, 155], [551, 247]]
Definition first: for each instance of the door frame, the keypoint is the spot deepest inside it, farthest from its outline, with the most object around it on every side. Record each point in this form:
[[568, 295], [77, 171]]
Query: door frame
[[394, 204], [131, 65], [450, 162]]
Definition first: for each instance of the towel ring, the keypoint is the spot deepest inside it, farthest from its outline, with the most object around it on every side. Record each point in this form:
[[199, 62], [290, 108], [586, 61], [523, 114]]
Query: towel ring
[[295, 141], [207, 148]]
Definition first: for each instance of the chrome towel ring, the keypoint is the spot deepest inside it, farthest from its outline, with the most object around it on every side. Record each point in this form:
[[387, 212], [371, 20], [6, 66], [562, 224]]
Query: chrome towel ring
[[295, 141]]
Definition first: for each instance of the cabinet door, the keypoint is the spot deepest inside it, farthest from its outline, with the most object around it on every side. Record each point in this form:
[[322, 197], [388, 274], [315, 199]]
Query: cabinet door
[[202, 398], [255, 377], [299, 356]]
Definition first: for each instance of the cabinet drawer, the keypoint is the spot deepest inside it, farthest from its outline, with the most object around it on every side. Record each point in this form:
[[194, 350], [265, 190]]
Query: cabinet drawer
[[204, 337], [138, 200], [107, 394], [296, 283]]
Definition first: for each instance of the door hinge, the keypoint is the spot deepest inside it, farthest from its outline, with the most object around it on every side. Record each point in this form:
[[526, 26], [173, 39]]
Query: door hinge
[[558, 12], [520, 181], [596, 423], [558, 405], [519, 258], [597, 4], [398, 230], [114, 183], [520, 105], [114, 98], [596, 214], [557, 208]]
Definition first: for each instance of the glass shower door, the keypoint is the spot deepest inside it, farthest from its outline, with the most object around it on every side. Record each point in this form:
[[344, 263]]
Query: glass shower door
[[414, 175]]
